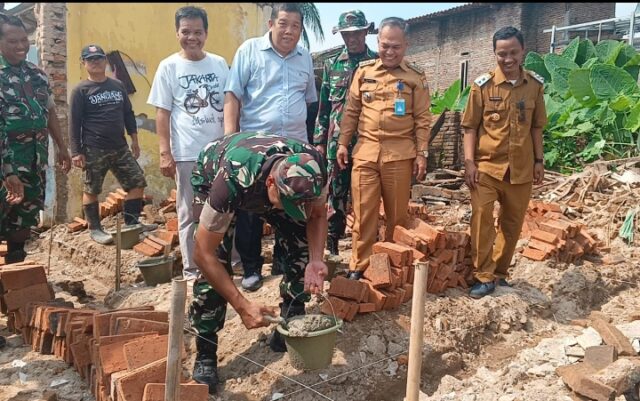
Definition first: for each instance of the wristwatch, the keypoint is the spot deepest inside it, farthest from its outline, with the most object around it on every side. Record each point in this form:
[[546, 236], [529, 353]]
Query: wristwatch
[[424, 153], [538, 161]]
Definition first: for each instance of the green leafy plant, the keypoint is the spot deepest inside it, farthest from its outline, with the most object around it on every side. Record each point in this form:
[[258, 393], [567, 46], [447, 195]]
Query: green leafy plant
[[451, 99], [592, 100]]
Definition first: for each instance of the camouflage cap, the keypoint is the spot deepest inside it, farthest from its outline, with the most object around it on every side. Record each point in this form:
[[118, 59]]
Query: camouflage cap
[[298, 178], [353, 20]]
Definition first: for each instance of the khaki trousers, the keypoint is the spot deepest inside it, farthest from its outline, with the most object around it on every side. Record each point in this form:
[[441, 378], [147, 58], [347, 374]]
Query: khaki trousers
[[491, 251], [369, 181]]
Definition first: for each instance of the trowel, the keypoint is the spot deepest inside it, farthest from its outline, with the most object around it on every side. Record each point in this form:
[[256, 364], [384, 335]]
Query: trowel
[[276, 319]]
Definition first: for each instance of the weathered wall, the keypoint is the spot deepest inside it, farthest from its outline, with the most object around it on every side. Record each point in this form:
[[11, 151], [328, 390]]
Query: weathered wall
[[440, 44], [145, 34], [447, 150]]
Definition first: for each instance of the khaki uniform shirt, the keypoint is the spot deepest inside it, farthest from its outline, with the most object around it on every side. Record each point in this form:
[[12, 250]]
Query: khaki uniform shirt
[[503, 115], [370, 112]]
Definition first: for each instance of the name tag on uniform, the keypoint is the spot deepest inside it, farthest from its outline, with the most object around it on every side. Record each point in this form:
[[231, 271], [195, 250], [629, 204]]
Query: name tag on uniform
[[399, 107], [369, 81], [495, 98]]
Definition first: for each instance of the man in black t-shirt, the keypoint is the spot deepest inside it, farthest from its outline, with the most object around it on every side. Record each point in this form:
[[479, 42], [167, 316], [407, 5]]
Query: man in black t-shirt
[[100, 111]]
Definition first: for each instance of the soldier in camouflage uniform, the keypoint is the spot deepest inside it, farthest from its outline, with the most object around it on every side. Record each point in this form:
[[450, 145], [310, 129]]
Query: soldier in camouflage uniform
[[335, 84], [28, 112], [284, 181]]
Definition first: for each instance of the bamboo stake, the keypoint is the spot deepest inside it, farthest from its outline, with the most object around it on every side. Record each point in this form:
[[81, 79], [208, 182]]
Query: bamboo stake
[[416, 338], [176, 323], [118, 250]]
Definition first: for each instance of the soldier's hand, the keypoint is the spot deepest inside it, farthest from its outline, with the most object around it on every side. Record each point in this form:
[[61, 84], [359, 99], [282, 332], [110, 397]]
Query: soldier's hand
[[15, 189], [314, 275], [253, 315], [538, 173], [64, 160], [167, 164], [78, 161], [342, 156], [420, 168], [322, 149], [471, 174], [135, 150]]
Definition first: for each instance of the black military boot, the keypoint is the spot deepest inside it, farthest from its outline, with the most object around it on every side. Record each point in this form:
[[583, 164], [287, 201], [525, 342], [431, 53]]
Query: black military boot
[[332, 245], [3, 341], [205, 368], [132, 209], [92, 214], [15, 252], [277, 343]]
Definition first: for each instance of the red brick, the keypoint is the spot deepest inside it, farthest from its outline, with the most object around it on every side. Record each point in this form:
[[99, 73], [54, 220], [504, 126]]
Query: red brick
[[405, 274], [408, 288], [545, 247], [612, 336], [399, 255], [400, 293], [600, 356], [557, 227], [145, 350], [146, 250], [75, 227], [379, 270], [170, 237], [434, 237], [16, 299], [122, 192], [350, 289], [577, 377], [366, 307], [375, 297], [339, 307], [408, 237], [188, 392], [156, 316], [172, 224], [81, 221], [159, 241], [128, 325], [14, 278], [130, 387], [112, 358], [444, 255], [534, 254], [391, 300], [545, 236], [418, 256]]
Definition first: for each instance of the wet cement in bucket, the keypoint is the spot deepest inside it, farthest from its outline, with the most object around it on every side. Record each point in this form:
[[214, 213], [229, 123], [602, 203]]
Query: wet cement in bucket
[[309, 324]]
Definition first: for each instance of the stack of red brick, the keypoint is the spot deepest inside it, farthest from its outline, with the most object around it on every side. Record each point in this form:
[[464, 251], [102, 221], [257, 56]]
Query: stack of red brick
[[551, 234], [388, 281], [416, 210], [121, 353]]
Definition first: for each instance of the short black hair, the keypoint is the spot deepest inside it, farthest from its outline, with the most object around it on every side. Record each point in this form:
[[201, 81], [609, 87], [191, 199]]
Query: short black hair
[[10, 20], [395, 22], [192, 12], [287, 8], [507, 32]]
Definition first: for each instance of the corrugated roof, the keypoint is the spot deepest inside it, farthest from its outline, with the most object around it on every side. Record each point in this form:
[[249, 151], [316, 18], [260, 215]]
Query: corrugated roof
[[447, 13]]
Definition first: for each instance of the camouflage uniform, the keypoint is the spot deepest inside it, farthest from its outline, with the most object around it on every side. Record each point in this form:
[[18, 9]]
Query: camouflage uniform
[[229, 175], [336, 78], [25, 97]]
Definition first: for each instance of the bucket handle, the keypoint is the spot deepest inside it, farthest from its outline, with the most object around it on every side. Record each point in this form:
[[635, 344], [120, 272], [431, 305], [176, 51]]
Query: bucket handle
[[333, 311]]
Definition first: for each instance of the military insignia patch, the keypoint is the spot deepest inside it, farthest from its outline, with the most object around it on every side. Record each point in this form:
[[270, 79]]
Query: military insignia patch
[[536, 76], [483, 79], [366, 62]]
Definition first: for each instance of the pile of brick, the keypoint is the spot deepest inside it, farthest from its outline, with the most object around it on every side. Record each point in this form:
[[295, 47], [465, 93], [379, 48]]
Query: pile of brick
[[416, 210], [158, 243], [388, 281], [607, 371], [122, 354], [551, 234], [3, 252]]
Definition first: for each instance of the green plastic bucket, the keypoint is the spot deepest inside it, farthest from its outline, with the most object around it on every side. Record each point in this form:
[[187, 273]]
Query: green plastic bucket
[[156, 270], [313, 351], [128, 235]]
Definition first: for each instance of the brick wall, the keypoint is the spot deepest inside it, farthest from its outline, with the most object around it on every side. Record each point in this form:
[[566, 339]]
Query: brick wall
[[51, 41], [447, 150], [440, 44]]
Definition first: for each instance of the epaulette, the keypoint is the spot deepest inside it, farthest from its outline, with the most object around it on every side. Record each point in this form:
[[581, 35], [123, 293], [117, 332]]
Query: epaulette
[[367, 62], [415, 68], [483, 79], [536, 76]]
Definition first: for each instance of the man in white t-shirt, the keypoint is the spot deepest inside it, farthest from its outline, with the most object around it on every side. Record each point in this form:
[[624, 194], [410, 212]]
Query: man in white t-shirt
[[188, 93]]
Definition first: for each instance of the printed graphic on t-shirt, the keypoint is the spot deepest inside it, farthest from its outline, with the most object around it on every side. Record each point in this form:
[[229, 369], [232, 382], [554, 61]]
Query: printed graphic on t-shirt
[[106, 97], [202, 91]]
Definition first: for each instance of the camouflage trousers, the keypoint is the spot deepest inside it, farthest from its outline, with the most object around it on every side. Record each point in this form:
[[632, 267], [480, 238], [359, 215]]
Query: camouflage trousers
[[30, 155], [339, 186], [208, 309], [119, 161]]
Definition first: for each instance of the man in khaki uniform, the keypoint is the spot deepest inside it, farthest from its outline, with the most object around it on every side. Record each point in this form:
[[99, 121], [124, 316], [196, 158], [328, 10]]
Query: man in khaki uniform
[[388, 105], [503, 124]]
